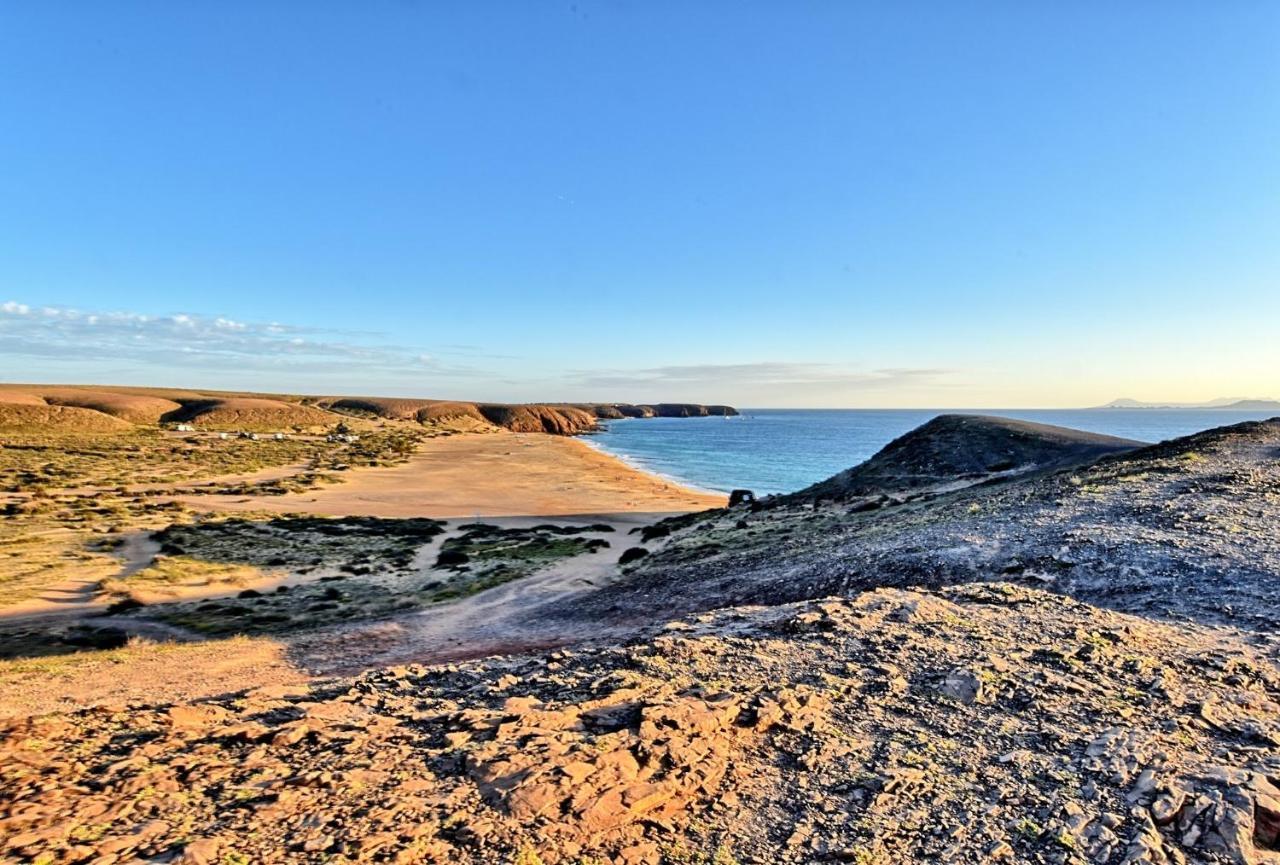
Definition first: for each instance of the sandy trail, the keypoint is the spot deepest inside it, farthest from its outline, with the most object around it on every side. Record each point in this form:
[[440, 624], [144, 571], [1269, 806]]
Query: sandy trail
[[464, 476], [80, 597]]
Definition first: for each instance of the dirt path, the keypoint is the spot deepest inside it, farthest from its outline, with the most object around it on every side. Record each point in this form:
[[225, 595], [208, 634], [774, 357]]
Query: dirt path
[[137, 551], [81, 597], [501, 619]]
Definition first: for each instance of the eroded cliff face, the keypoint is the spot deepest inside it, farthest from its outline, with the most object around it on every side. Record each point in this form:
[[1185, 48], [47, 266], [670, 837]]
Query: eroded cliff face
[[613, 411], [579, 418], [554, 419]]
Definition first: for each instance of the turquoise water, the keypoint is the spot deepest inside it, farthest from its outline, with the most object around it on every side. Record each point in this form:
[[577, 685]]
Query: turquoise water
[[783, 450]]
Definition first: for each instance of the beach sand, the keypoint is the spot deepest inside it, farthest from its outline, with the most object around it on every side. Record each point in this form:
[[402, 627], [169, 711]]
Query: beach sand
[[499, 474]]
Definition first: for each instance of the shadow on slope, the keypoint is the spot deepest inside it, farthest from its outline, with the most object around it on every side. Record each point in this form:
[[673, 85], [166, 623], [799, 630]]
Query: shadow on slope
[[293, 574], [957, 448]]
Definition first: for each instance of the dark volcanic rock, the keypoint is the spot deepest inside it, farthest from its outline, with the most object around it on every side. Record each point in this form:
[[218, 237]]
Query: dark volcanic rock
[[632, 554], [605, 412]]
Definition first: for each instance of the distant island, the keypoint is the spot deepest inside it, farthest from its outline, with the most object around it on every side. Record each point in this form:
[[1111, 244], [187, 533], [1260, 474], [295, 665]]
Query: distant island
[[1228, 403]]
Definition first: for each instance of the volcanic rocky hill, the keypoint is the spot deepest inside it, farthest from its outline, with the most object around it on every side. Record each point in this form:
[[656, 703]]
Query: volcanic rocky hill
[[1183, 530], [954, 449]]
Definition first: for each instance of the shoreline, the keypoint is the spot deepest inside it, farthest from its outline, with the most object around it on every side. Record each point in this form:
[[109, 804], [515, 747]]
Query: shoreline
[[638, 465]]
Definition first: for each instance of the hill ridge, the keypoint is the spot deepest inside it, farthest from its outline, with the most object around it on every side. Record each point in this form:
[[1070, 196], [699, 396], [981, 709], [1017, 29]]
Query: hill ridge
[[965, 447]]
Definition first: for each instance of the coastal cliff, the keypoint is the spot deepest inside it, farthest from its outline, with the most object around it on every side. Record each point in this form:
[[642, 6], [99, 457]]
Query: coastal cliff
[[93, 408], [666, 409]]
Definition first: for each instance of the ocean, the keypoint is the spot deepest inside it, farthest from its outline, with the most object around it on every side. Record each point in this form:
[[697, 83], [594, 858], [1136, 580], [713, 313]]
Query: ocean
[[783, 450]]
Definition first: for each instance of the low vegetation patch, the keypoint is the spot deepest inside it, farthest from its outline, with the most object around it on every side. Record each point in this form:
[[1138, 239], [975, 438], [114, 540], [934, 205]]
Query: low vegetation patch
[[486, 555], [301, 544]]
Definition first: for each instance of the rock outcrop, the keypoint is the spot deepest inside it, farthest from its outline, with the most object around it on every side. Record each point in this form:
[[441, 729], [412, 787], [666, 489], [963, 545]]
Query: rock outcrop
[[1179, 530], [640, 411], [621, 410], [554, 419], [668, 409]]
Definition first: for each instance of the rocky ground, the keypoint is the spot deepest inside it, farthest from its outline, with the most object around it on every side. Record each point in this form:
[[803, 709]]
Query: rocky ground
[[1060, 661], [971, 724]]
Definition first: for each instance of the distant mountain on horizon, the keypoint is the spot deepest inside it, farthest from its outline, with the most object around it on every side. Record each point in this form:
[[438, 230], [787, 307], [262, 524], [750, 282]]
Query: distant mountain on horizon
[[1236, 403]]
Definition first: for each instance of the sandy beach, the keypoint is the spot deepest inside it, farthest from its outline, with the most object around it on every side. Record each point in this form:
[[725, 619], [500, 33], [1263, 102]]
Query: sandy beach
[[498, 474], [509, 479]]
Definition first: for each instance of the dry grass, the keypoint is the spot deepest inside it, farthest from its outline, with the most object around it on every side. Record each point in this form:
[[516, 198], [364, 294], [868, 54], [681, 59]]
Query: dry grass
[[180, 571], [33, 563], [37, 460]]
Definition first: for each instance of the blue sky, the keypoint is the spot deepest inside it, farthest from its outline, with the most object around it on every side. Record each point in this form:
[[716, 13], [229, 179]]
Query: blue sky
[[818, 204]]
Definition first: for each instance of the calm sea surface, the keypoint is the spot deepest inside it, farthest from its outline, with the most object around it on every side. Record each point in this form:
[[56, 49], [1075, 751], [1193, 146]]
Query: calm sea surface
[[783, 450]]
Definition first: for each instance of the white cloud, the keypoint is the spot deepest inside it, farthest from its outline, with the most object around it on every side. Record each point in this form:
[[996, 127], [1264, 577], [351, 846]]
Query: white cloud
[[766, 373], [214, 343], [761, 383]]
